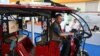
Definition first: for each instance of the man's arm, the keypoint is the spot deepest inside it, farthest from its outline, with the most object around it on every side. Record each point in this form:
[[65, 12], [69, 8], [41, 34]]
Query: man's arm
[[57, 30]]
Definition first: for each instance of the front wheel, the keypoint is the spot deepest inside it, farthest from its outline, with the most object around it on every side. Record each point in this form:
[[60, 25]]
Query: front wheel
[[82, 53]]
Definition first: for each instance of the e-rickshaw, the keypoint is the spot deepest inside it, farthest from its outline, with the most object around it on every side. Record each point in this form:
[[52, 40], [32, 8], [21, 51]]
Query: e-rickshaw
[[12, 43]]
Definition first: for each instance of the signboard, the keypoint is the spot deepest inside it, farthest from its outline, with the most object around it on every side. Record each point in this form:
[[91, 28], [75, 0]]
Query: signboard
[[38, 0], [70, 1], [4, 1]]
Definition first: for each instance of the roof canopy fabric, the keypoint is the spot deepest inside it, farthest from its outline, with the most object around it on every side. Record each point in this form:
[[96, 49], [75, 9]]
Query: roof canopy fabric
[[31, 9]]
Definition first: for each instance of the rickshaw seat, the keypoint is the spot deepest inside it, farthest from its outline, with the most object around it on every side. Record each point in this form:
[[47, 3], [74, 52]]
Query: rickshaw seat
[[25, 47]]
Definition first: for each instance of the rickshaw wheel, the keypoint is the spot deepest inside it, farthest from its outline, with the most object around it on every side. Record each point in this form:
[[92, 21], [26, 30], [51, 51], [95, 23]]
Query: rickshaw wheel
[[83, 53]]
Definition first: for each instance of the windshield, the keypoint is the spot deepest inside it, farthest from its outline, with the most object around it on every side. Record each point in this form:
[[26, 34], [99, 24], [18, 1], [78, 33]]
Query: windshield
[[84, 25], [74, 21]]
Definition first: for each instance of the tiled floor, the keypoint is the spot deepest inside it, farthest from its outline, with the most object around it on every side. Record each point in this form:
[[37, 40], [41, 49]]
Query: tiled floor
[[93, 50]]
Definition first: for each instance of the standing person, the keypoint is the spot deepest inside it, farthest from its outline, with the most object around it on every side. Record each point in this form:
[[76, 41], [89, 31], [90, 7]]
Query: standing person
[[57, 34], [74, 24]]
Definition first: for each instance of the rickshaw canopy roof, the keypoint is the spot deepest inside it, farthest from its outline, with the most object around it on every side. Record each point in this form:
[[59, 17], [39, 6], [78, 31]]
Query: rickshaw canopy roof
[[31, 9]]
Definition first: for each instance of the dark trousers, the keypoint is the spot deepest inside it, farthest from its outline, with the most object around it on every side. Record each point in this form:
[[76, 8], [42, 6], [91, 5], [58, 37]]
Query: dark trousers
[[66, 47]]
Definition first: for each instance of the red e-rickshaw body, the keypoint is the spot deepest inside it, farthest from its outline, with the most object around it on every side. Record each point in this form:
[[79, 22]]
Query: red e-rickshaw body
[[24, 46]]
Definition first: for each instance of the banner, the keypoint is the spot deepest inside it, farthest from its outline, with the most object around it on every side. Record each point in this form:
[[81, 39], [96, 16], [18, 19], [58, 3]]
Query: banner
[[70, 1], [38, 0]]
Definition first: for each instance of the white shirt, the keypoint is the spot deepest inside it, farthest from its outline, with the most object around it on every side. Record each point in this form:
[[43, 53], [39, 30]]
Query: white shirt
[[74, 25], [67, 29]]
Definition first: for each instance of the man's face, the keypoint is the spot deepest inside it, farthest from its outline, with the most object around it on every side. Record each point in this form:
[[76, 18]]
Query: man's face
[[59, 19]]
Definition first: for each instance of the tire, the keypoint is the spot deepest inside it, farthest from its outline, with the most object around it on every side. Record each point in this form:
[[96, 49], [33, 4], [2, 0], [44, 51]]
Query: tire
[[83, 53]]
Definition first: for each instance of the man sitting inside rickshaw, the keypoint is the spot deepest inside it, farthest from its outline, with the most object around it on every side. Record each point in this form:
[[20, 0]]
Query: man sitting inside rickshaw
[[58, 35]]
